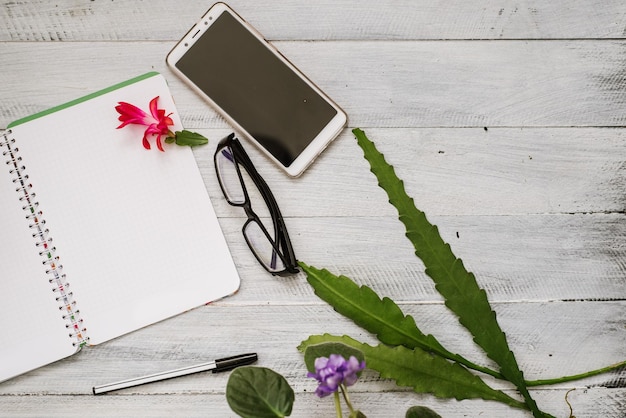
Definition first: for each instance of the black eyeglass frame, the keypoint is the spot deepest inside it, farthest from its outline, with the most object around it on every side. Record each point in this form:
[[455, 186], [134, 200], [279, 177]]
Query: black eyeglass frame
[[281, 243]]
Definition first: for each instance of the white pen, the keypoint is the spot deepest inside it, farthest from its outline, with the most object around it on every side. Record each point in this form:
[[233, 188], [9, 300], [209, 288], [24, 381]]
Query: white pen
[[219, 365]]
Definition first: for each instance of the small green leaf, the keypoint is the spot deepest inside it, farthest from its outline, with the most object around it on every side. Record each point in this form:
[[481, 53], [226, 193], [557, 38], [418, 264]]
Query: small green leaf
[[421, 412], [357, 414], [326, 349], [170, 140], [189, 138], [258, 392]]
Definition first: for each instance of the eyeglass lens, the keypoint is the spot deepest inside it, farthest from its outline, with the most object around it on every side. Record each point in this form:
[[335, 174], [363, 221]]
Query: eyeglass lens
[[258, 240], [229, 176], [262, 247]]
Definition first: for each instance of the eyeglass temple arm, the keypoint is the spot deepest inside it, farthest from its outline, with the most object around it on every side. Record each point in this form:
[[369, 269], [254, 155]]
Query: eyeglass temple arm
[[281, 235], [270, 200]]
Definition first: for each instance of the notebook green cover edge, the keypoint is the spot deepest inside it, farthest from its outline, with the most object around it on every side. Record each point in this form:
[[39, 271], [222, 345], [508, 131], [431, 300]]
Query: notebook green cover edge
[[82, 99]]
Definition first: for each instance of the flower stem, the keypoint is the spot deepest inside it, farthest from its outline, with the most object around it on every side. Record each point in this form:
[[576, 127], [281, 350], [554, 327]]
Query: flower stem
[[344, 392], [530, 383], [338, 405], [576, 376]]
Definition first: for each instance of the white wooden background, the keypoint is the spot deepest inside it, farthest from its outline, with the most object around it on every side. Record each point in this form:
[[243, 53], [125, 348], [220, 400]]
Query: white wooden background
[[504, 118]]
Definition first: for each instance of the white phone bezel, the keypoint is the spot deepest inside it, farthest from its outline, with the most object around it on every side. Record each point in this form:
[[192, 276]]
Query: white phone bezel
[[315, 147]]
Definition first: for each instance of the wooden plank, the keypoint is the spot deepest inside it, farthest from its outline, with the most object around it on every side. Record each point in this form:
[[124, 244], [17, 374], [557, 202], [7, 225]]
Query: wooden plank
[[514, 258], [451, 171], [380, 84], [46, 20], [549, 339], [586, 403]]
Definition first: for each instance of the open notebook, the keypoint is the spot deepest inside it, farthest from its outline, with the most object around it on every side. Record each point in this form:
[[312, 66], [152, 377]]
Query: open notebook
[[98, 236]]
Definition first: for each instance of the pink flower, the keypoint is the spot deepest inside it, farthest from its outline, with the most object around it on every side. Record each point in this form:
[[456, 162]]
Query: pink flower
[[157, 121]]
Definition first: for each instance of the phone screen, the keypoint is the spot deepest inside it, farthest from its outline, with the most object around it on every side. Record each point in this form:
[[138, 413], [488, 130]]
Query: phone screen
[[260, 92]]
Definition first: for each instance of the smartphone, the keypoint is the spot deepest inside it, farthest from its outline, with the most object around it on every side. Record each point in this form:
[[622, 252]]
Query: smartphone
[[264, 96]]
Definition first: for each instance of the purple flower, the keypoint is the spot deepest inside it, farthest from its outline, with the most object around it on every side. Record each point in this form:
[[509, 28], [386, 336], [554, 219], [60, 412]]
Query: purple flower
[[334, 371]]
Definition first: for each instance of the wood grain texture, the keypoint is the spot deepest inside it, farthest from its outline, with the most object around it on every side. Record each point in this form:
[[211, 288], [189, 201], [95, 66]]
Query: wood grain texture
[[556, 341], [505, 121], [557, 345], [453, 171], [588, 403], [379, 84], [47, 20], [513, 258]]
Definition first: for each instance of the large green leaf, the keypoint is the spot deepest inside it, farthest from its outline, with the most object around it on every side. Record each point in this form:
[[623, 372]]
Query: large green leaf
[[258, 392], [422, 371], [382, 317], [458, 286], [421, 412], [313, 352]]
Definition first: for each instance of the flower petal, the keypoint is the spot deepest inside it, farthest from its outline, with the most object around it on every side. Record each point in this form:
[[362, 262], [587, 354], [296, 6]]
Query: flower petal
[[131, 114], [159, 144], [153, 108], [145, 142], [320, 363]]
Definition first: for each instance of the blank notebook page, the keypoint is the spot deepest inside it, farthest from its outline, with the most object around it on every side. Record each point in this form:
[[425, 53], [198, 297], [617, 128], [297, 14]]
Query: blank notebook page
[[134, 229]]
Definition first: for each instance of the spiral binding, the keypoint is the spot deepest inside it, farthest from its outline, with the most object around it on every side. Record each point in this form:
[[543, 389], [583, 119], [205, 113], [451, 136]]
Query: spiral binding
[[43, 241]]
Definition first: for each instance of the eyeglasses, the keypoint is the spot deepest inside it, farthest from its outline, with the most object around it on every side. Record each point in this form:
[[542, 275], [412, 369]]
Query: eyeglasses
[[269, 242]]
